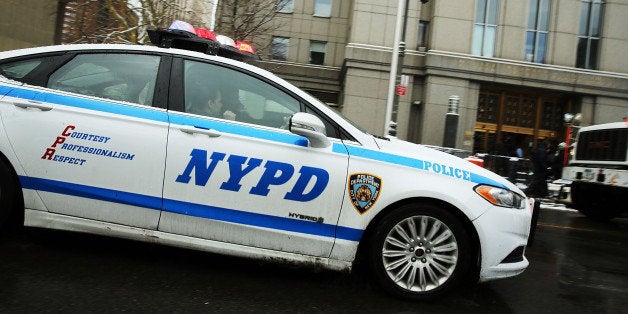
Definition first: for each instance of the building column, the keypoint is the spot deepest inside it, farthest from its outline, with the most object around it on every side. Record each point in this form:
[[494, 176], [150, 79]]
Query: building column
[[434, 109]]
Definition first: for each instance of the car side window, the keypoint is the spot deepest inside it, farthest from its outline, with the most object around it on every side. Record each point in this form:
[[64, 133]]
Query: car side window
[[124, 77], [19, 69], [216, 91]]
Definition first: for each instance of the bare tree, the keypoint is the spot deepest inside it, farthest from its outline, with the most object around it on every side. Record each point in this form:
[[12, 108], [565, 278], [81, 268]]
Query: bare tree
[[250, 20], [124, 21]]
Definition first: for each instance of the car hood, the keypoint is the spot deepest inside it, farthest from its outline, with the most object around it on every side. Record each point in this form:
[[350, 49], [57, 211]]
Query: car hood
[[426, 158]]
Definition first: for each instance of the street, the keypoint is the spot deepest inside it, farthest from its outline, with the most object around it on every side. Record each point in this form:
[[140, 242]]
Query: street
[[576, 266]]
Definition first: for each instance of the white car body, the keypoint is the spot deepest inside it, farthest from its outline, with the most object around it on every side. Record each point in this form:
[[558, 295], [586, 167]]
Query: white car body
[[121, 169]]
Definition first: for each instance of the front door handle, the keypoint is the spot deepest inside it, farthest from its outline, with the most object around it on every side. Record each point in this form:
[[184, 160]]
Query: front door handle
[[32, 104], [198, 130]]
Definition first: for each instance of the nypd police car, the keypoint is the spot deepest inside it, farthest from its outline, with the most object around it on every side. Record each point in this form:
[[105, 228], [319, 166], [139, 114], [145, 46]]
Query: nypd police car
[[183, 148]]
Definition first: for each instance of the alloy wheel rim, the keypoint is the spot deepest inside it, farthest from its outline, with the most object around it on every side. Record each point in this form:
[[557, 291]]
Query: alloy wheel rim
[[420, 253]]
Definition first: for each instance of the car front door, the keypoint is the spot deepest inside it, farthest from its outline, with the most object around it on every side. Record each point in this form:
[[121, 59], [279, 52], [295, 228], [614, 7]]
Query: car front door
[[237, 175], [91, 144]]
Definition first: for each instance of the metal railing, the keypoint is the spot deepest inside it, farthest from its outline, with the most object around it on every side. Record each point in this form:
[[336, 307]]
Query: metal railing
[[516, 170]]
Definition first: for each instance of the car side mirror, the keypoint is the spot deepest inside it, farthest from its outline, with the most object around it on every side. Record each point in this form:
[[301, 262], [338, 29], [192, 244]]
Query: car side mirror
[[311, 127]]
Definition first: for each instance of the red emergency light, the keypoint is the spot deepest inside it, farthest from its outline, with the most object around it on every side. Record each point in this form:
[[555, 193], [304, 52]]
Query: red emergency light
[[245, 47], [205, 33]]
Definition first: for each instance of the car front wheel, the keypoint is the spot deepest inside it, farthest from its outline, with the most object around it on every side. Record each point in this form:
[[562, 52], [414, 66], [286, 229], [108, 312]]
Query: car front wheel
[[420, 251]]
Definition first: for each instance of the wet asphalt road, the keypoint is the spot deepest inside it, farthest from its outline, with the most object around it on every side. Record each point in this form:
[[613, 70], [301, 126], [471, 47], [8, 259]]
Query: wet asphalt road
[[577, 266]]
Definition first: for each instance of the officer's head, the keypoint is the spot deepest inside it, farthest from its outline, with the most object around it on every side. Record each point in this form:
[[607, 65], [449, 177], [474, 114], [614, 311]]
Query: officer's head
[[199, 87]]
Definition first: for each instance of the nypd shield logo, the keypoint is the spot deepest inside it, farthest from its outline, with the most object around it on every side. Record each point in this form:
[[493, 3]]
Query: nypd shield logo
[[364, 191]]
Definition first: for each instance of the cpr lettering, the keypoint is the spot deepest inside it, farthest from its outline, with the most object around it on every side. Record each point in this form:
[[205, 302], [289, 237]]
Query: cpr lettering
[[275, 174], [50, 152]]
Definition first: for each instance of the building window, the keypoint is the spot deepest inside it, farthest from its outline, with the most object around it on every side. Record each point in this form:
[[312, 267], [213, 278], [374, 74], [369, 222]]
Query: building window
[[423, 32], [488, 106], [485, 27], [317, 52], [537, 32], [285, 6], [279, 48], [589, 35], [322, 8]]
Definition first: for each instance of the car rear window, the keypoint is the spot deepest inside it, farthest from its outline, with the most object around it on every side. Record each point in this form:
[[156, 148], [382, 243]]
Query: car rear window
[[19, 69], [124, 77]]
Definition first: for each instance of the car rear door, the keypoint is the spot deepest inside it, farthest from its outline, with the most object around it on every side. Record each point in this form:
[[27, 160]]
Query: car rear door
[[250, 181], [91, 144]]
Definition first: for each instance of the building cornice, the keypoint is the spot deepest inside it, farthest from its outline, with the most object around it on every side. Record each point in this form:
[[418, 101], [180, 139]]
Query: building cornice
[[543, 66], [456, 65], [492, 70], [526, 74]]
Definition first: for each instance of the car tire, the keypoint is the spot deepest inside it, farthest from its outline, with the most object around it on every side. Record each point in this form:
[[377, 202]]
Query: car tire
[[7, 195], [420, 251], [596, 208], [598, 213]]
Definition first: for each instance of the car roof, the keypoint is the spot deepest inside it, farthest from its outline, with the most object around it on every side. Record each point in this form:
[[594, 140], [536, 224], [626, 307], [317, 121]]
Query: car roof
[[360, 136], [150, 49], [128, 47]]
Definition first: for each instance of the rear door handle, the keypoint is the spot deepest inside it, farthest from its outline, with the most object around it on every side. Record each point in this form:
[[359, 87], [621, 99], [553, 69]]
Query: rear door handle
[[198, 130], [32, 104]]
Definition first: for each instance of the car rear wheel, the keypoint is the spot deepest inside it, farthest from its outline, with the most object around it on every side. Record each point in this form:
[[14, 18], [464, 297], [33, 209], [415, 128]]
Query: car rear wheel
[[7, 194], [420, 251]]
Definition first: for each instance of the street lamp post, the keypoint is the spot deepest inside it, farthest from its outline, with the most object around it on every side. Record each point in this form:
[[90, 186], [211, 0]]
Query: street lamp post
[[394, 66], [451, 122], [402, 52]]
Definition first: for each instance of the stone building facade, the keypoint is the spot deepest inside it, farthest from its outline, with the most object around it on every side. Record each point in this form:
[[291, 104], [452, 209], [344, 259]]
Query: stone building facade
[[29, 23], [517, 66]]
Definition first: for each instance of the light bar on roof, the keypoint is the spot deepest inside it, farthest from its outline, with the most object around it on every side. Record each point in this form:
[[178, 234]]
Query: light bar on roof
[[182, 35]]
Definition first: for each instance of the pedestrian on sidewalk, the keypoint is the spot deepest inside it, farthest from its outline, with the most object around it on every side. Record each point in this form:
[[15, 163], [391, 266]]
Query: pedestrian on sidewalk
[[538, 186]]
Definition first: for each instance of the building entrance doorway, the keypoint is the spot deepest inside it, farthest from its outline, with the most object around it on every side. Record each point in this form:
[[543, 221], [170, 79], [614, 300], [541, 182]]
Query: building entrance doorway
[[508, 119]]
